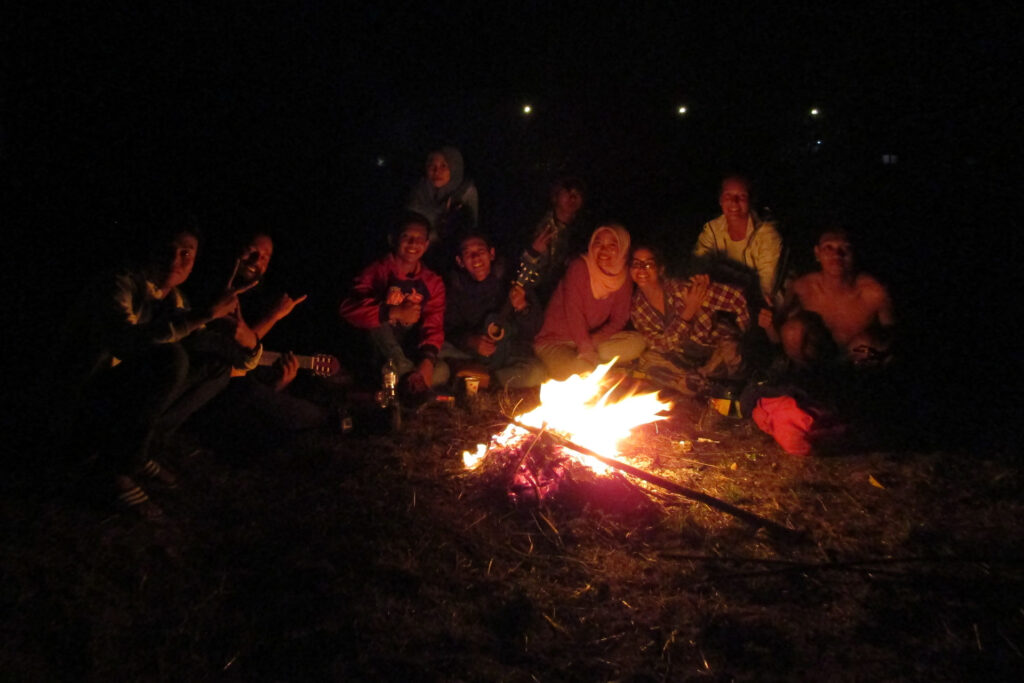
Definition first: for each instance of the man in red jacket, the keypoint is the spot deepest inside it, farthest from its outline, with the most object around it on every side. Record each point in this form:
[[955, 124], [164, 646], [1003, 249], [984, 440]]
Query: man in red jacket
[[400, 304]]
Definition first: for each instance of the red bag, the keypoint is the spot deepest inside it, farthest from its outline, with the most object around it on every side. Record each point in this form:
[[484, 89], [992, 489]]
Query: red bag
[[786, 421]]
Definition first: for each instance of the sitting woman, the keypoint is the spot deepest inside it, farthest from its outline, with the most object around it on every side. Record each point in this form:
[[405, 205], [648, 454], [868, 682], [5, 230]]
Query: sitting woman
[[689, 338], [584, 321], [449, 201]]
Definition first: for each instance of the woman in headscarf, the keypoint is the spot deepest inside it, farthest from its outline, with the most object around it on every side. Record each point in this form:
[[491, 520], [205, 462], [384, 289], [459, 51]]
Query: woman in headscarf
[[447, 199], [583, 324]]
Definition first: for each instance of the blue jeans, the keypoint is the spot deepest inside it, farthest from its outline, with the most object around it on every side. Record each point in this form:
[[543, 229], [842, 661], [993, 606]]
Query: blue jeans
[[511, 370], [396, 343]]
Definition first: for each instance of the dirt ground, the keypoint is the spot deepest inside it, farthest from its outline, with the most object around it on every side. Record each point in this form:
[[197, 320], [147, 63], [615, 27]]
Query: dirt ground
[[377, 556]]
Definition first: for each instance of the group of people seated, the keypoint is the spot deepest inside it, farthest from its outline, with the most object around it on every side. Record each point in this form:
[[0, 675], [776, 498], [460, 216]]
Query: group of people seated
[[442, 303], [549, 313]]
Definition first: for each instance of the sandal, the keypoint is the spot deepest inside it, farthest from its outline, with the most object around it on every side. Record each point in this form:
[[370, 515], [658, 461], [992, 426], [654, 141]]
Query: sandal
[[154, 471], [133, 498]]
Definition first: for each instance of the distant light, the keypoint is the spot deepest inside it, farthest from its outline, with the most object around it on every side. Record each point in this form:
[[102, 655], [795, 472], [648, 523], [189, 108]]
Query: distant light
[[815, 111], [381, 161], [889, 159], [527, 110], [817, 142], [681, 110]]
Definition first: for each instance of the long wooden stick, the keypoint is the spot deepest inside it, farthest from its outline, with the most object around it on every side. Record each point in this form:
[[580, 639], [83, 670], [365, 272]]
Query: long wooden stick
[[710, 501]]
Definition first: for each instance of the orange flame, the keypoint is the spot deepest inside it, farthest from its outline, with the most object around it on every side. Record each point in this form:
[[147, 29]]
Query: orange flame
[[580, 409]]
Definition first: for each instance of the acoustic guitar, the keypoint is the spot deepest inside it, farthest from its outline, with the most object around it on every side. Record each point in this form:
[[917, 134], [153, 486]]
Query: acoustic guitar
[[500, 325]]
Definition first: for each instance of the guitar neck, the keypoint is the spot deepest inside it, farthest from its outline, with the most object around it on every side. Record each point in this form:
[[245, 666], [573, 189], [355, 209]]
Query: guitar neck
[[270, 357], [321, 364]]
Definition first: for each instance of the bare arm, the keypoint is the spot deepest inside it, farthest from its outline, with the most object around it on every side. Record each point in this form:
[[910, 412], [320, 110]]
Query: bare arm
[[771, 321], [282, 308]]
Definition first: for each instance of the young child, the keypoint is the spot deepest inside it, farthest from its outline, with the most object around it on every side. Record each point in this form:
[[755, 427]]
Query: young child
[[489, 321], [400, 303]]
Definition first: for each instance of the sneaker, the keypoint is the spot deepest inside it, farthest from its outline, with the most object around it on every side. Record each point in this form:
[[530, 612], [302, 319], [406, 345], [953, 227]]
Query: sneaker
[[153, 470], [132, 498]]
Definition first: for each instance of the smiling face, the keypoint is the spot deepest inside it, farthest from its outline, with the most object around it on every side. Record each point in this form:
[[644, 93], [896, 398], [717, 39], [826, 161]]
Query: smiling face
[[476, 257], [254, 260], [735, 199], [643, 268], [438, 171], [178, 262], [606, 251], [411, 243]]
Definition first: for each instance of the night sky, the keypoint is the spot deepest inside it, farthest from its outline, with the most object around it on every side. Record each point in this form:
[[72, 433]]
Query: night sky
[[312, 119]]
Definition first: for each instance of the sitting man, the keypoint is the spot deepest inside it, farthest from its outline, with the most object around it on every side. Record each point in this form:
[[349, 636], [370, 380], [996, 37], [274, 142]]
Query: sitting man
[[399, 303], [255, 405], [551, 241], [738, 245], [133, 377], [833, 314], [835, 304], [688, 340], [490, 322]]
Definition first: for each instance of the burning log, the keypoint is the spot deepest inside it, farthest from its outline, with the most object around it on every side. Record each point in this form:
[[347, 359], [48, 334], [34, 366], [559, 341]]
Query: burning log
[[711, 501]]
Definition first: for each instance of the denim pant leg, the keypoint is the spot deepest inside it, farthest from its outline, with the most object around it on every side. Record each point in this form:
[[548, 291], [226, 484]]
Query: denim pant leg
[[387, 343], [521, 373], [203, 381], [128, 401], [451, 352], [441, 373]]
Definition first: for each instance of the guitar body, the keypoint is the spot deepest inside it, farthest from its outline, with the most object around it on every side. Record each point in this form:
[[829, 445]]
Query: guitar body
[[321, 364]]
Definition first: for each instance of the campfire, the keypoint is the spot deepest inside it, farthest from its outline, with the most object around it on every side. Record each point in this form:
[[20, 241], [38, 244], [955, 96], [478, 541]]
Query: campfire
[[580, 425], [579, 411]]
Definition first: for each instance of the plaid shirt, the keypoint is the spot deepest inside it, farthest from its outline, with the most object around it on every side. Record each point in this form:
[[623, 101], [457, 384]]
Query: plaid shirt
[[667, 332]]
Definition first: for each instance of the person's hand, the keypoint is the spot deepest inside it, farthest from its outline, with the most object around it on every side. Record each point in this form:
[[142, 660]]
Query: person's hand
[[394, 296], [287, 367], [286, 305], [406, 313], [244, 335], [543, 239], [698, 289], [483, 345], [694, 296], [591, 357], [225, 305], [426, 372], [517, 297], [766, 319]]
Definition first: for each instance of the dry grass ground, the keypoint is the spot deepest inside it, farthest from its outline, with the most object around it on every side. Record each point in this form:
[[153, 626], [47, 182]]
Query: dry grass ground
[[378, 557]]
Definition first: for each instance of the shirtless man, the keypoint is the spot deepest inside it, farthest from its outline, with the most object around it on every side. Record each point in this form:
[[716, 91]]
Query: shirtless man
[[853, 307]]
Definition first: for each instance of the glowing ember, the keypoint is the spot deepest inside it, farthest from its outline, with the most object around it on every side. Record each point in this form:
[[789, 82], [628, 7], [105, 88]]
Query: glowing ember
[[581, 410]]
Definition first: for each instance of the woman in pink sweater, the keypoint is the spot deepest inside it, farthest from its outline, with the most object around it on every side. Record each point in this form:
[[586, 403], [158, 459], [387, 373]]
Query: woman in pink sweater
[[583, 323]]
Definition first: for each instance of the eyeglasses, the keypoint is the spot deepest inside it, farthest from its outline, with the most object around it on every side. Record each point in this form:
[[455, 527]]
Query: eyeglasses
[[643, 265]]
